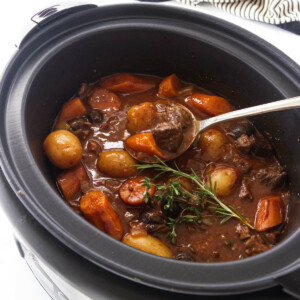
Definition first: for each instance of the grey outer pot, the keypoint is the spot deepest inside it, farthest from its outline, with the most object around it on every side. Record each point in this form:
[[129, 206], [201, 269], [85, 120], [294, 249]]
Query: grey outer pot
[[56, 58]]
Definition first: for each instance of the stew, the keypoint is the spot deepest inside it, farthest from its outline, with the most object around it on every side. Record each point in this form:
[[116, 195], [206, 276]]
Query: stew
[[224, 199]]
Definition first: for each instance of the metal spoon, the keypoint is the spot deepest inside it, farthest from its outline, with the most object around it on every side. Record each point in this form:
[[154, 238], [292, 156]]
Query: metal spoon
[[245, 112]]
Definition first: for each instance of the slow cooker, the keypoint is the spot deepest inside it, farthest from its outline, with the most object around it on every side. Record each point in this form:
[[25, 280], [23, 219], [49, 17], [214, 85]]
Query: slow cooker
[[86, 42]]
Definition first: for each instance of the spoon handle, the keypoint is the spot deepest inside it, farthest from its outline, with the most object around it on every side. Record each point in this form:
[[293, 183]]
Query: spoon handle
[[251, 111]]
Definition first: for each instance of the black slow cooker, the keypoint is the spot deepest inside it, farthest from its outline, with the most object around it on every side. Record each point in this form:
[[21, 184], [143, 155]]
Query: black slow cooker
[[85, 43]]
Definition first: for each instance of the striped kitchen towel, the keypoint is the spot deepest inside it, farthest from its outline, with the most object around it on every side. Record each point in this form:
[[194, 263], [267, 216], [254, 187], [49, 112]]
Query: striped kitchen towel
[[284, 13]]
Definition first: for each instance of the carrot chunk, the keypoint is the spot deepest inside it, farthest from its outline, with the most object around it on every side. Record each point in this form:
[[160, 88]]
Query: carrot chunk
[[97, 210], [169, 87], [144, 142], [72, 109], [70, 181], [126, 83], [269, 213], [209, 104], [132, 191], [104, 100]]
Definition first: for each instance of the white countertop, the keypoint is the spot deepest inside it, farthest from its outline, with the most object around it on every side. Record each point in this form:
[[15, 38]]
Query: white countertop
[[17, 281]]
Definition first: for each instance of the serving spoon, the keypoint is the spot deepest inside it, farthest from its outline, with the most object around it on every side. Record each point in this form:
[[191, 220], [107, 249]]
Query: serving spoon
[[236, 114]]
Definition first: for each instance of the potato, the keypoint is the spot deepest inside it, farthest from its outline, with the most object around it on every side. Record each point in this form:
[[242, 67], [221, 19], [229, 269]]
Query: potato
[[212, 143], [226, 178], [148, 244], [63, 149], [140, 117], [117, 163]]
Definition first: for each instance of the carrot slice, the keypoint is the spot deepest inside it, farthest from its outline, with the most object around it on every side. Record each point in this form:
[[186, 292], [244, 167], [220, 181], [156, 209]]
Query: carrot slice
[[144, 142], [97, 210], [169, 87], [132, 191], [72, 109], [104, 100], [70, 181], [269, 213], [209, 104], [126, 83]]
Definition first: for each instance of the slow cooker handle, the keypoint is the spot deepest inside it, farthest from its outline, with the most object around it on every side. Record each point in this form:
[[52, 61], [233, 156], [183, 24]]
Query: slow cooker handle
[[48, 15], [54, 12]]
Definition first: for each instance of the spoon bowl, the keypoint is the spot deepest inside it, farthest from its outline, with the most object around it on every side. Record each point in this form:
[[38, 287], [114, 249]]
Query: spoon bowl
[[205, 124]]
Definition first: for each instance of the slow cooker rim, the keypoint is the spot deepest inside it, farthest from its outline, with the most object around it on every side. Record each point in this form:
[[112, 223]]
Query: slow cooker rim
[[9, 174]]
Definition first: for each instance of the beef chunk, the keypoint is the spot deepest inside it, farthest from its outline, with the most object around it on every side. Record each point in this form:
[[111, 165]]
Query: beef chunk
[[242, 164], [244, 190], [243, 231], [255, 245], [273, 176], [174, 114], [152, 228], [182, 117], [238, 129], [154, 221], [80, 127], [171, 121], [152, 216], [95, 116], [168, 136], [244, 143], [270, 237], [261, 147]]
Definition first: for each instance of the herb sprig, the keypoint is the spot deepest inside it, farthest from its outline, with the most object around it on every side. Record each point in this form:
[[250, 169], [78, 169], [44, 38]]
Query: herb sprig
[[181, 205], [206, 193]]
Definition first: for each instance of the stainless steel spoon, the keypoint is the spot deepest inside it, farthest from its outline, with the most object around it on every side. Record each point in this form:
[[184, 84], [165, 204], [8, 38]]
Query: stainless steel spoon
[[245, 112]]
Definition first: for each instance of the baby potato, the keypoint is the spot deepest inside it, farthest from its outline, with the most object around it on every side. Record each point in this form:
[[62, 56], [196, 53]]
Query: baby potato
[[140, 117], [117, 163], [63, 149], [212, 143], [226, 178], [148, 244]]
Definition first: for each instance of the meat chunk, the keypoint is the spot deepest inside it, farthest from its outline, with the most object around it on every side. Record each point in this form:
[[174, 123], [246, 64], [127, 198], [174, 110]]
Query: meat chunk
[[152, 216], [170, 113], [152, 228], [95, 116], [171, 121], [273, 176], [243, 231], [181, 116], [244, 143], [255, 245], [154, 221], [244, 190], [270, 237], [242, 164], [168, 136], [80, 127]]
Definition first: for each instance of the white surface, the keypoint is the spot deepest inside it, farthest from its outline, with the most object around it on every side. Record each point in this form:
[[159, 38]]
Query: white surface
[[17, 281]]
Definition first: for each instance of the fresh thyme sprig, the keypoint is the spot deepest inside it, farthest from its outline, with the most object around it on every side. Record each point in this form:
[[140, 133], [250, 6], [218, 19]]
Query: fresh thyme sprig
[[147, 184], [182, 205], [205, 192]]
